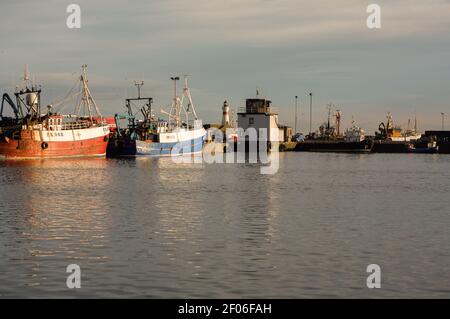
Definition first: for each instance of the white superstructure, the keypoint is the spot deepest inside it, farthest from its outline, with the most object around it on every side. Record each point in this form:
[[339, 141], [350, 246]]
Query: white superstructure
[[259, 114]]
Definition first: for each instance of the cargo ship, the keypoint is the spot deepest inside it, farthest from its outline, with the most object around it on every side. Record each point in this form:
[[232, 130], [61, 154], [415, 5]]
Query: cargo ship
[[330, 139], [32, 134], [391, 138], [394, 133], [181, 133]]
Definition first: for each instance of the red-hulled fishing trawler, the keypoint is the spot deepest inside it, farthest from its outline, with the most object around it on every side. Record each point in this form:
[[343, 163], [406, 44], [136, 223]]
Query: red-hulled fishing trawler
[[31, 134]]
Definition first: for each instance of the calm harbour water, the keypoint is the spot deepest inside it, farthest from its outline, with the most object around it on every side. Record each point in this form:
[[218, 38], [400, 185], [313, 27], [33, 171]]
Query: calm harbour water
[[152, 228]]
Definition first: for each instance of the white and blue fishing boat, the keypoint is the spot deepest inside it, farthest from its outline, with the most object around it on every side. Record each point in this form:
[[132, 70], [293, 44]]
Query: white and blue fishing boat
[[181, 133]]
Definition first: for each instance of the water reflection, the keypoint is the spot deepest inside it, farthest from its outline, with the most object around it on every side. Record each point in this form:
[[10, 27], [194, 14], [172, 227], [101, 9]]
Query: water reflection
[[57, 211], [151, 228]]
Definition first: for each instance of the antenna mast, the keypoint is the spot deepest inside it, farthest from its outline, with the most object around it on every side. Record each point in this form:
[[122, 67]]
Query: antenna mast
[[139, 85]]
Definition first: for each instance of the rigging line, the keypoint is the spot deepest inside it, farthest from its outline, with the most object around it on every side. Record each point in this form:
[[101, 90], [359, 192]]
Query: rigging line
[[97, 110], [65, 98], [79, 100], [135, 106], [63, 102]]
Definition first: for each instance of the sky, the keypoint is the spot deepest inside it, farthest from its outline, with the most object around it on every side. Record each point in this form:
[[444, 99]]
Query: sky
[[230, 48]]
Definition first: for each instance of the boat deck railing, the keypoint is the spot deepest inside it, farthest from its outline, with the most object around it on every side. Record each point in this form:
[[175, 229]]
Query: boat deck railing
[[75, 125], [255, 110]]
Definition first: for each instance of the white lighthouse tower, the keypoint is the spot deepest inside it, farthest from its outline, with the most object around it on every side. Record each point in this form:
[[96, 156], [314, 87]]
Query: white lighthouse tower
[[225, 114]]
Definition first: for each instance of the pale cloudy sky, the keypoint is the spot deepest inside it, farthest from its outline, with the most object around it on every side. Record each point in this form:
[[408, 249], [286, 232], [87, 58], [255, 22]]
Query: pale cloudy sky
[[283, 47]]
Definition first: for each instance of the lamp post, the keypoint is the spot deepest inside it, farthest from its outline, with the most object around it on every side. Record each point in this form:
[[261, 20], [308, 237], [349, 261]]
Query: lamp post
[[175, 79], [176, 105], [296, 105], [310, 113], [443, 119]]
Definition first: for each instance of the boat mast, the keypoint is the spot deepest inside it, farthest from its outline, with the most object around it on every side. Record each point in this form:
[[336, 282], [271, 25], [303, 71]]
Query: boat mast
[[177, 105], [187, 93], [87, 102]]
